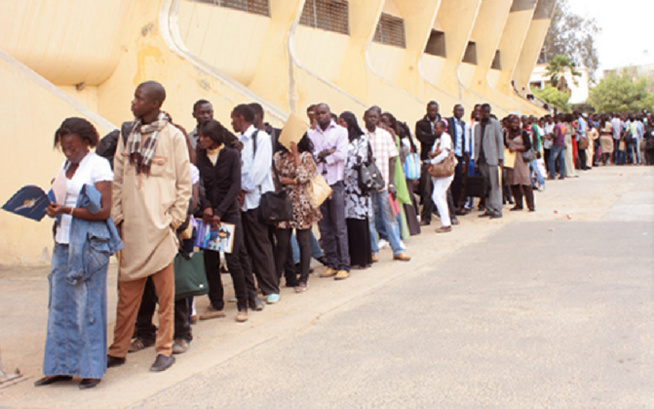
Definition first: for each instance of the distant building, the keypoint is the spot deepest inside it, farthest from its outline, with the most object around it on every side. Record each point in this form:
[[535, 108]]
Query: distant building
[[579, 86]]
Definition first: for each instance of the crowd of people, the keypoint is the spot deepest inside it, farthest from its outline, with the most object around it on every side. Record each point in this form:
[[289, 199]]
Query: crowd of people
[[142, 201]]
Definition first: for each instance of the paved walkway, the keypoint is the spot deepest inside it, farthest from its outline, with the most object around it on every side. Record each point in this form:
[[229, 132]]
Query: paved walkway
[[550, 309]]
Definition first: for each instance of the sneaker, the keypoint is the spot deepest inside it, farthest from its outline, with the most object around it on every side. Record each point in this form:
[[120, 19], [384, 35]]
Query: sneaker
[[256, 304], [301, 288], [138, 344], [273, 298], [341, 275], [242, 316], [383, 244], [329, 272], [211, 312], [180, 346], [162, 363]]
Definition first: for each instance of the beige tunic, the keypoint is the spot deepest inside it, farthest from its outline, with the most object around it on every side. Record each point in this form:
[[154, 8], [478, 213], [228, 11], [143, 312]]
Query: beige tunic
[[151, 206], [520, 174]]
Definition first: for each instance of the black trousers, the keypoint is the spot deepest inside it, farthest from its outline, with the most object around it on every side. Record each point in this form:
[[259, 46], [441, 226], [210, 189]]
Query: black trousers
[[426, 188], [260, 250], [212, 267], [457, 183], [148, 331], [283, 255]]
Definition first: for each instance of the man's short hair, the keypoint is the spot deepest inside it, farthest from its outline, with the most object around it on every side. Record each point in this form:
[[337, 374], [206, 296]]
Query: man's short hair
[[485, 105], [154, 90], [199, 103], [245, 111], [256, 108]]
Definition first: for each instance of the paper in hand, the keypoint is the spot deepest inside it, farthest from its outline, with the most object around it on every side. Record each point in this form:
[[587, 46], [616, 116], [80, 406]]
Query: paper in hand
[[293, 131], [30, 201]]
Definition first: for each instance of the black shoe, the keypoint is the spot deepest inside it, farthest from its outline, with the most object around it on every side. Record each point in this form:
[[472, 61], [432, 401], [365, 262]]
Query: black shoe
[[162, 363], [256, 304], [113, 361], [47, 380], [496, 216], [89, 383], [485, 214], [322, 260]]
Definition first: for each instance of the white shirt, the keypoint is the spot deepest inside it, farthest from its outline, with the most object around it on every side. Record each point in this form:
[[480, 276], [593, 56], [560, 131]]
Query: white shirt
[[383, 149], [444, 143], [256, 174], [458, 147], [91, 170]]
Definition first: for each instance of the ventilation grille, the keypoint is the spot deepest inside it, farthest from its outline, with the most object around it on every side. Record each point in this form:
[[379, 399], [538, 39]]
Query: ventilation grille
[[250, 6], [390, 30], [330, 15]]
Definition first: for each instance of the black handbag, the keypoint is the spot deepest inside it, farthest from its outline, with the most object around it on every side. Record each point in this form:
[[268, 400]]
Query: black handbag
[[476, 186], [190, 275], [370, 178], [275, 206]]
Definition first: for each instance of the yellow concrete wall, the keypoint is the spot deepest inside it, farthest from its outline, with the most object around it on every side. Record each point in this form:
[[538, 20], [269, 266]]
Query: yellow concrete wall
[[30, 114], [66, 42], [228, 39]]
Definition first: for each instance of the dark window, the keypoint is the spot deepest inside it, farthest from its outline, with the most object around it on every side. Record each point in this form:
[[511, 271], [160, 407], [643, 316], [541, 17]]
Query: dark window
[[330, 15], [250, 6], [390, 30], [497, 62], [436, 43], [470, 55]]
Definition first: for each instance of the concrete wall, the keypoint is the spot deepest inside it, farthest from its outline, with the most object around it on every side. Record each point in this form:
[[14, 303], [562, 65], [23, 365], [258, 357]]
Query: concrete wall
[[85, 57]]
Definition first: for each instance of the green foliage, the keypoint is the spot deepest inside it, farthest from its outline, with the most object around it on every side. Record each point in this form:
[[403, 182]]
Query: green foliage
[[622, 94], [572, 35], [554, 97], [556, 70]]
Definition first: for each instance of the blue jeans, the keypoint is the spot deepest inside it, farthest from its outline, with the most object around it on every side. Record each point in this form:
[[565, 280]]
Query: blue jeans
[[533, 165], [557, 152], [384, 218]]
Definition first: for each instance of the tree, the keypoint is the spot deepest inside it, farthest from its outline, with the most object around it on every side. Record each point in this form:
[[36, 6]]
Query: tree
[[621, 93], [554, 97], [556, 70], [572, 35]]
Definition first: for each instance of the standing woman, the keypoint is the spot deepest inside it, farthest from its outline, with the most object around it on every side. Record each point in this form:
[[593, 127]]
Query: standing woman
[[295, 169], [519, 178], [358, 206], [568, 153], [606, 139], [85, 237], [441, 148]]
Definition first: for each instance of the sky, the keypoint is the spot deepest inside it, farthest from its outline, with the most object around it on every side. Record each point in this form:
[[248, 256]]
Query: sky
[[627, 36]]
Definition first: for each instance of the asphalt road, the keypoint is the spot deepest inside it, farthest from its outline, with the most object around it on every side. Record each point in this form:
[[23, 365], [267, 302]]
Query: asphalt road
[[548, 309]]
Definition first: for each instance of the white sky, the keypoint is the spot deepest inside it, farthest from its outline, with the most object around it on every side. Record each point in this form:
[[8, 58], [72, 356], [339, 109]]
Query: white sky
[[627, 36]]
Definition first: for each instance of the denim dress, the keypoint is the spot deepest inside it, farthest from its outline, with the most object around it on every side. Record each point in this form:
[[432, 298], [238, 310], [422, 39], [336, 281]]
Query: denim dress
[[76, 342]]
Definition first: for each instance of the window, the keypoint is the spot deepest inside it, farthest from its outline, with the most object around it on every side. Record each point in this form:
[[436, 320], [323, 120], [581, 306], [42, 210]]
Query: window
[[330, 15], [436, 43], [470, 55], [250, 6], [390, 30], [497, 62]]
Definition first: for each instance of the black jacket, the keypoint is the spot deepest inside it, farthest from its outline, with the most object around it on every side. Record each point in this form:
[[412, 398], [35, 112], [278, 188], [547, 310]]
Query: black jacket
[[222, 181], [426, 137]]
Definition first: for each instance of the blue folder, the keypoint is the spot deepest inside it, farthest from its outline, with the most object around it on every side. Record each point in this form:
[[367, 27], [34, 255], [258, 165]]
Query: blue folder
[[30, 201]]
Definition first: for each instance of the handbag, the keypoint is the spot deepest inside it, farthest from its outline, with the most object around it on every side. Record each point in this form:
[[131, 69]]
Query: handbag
[[274, 206], [444, 168], [190, 275], [370, 178], [412, 166], [529, 155], [583, 143], [476, 186], [317, 190]]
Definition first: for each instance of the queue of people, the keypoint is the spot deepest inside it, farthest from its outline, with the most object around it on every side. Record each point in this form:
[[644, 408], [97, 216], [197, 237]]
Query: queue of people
[[141, 203]]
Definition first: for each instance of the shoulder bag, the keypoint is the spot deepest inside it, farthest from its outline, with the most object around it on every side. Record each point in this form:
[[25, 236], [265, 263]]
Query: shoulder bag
[[412, 166], [444, 168], [317, 190], [190, 276], [370, 178]]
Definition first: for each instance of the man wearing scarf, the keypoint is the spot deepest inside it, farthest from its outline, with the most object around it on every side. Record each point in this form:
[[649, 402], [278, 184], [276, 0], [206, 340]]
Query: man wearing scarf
[[150, 193]]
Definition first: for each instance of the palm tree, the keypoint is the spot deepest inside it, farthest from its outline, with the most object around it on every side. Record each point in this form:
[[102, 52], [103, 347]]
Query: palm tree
[[556, 70]]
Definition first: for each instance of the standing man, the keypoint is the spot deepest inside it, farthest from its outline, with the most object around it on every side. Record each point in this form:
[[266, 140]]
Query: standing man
[[256, 180], [489, 158], [582, 132], [330, 143], [617, 124], [202, 111], [456, 129], [425, 134], [384, 151], [150, 198]]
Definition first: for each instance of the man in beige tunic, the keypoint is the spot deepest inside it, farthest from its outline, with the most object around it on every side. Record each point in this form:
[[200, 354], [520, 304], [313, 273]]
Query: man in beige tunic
[[151, 192]]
